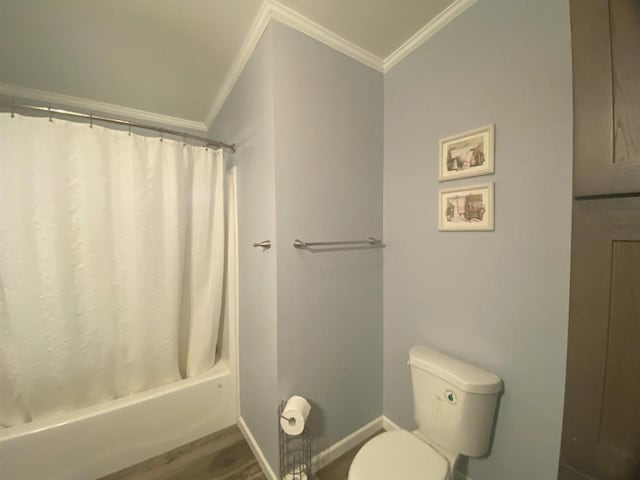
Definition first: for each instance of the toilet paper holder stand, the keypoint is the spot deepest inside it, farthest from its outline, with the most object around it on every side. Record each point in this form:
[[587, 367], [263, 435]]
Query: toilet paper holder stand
[[295, 452]]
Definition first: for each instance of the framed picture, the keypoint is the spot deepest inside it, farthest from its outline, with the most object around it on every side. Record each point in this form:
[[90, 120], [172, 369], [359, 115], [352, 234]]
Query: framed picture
[[468, 154], [466, 208]]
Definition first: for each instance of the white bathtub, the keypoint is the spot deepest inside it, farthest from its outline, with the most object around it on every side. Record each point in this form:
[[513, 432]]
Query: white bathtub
[[96, 441], [90, 443]]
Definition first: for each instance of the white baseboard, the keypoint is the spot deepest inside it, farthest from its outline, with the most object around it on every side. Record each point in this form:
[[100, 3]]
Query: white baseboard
[[333, 452], [388, 425], [320, 460], [257, 451], [347, 443]]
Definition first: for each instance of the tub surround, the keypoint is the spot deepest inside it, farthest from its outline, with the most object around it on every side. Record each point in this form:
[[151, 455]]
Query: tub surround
[[102, 439]]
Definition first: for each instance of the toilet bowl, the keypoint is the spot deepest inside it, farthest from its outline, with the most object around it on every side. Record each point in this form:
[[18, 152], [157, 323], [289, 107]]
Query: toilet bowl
[[454, 407], [398, 454]]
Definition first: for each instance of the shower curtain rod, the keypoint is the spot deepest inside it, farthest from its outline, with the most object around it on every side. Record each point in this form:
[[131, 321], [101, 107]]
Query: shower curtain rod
[[88, 116]]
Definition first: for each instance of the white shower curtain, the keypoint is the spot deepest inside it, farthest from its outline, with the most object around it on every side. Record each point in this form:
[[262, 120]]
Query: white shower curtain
[[111, 264]]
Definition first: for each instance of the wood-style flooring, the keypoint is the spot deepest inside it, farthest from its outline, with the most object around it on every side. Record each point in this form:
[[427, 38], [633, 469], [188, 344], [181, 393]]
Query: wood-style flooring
[[224, 455]]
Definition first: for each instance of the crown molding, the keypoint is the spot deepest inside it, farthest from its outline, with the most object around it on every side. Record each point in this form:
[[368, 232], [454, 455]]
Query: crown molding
[[301, 23], [274, 10], [426, 32], [93, 106], [248, 46], [269, 10]]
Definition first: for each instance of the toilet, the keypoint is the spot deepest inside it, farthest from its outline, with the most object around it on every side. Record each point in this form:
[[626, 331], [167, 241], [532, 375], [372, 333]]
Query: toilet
[[454, 407]]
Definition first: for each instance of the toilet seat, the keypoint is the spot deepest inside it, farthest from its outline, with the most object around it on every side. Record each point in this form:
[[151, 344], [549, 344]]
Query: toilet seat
[[398, 455]]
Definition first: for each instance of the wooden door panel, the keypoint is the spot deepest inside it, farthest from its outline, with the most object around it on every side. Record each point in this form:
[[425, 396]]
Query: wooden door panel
[[605, 38], [625, 51], [621, 405], [620, 422], [592, 95], [589, 305], [602, 398]]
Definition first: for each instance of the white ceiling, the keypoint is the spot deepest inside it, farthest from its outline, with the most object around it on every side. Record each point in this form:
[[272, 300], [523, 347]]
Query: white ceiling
[[172, 57]]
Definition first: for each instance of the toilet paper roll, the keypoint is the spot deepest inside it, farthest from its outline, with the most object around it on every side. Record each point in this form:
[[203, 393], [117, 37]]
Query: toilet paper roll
[[294, 416]]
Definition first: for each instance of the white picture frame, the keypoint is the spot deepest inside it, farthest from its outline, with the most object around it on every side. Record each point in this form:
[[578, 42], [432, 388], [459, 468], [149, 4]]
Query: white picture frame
[[466, 208], [468, 154]]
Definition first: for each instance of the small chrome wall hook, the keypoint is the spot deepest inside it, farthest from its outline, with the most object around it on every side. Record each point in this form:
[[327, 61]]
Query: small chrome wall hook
[[266, 244]]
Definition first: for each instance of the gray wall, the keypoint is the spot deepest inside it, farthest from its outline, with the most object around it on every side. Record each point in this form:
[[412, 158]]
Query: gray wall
[[329, 161], [309, 124], [247, 119], [499, 299]]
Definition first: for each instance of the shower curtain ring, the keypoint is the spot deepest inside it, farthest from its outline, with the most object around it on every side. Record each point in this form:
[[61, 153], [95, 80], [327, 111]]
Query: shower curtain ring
[[184, 140], [90, 120], [13, 109], [50, 115], [129, 130], [161, 135]]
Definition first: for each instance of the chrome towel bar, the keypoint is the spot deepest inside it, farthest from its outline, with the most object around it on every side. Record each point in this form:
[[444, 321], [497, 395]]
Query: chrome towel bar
[[372, 242]]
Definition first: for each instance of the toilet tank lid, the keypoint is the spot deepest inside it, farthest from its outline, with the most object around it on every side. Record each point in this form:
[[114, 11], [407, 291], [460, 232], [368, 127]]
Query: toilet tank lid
[[462, 375]]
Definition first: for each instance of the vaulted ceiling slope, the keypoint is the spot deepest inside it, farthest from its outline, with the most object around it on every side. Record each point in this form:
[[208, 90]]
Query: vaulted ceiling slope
[[174, 61]]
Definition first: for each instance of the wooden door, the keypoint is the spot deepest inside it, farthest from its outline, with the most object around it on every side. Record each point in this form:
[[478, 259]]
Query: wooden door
[[606, 90], [601, 427], [601, 431]]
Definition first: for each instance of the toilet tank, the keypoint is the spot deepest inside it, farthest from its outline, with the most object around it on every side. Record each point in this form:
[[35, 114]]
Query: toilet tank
[[454, 402]]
